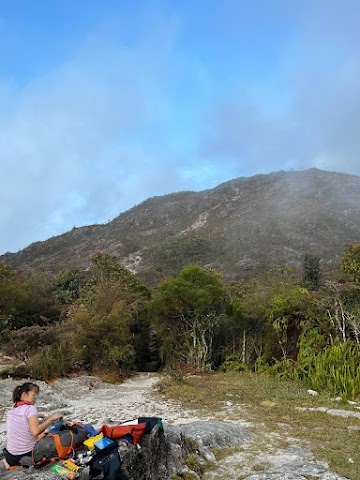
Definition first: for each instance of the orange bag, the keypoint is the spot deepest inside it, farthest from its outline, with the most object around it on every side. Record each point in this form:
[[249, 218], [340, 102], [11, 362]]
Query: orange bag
[[119, 431]]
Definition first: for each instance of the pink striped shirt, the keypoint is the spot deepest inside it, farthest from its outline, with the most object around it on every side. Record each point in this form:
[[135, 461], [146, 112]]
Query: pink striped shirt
[[19, 438]]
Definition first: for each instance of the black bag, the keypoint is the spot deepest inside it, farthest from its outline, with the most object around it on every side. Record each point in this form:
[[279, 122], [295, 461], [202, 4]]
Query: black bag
[[106, 464], [151, 422]]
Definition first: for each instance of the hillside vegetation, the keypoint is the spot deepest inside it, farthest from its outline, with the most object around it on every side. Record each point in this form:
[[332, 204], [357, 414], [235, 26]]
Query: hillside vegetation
[[106, 321], [240, 228]]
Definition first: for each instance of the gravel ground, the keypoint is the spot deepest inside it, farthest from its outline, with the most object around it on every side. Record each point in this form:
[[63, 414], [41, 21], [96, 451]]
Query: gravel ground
[[89, 400]]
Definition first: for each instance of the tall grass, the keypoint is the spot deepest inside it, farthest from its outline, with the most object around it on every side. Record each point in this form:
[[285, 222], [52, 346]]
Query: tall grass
[[337, 370]]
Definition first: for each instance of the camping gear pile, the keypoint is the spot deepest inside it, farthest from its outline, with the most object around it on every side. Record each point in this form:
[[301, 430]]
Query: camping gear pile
[[73, 446]]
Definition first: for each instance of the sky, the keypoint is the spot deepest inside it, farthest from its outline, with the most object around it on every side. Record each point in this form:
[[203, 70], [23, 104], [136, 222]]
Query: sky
[[105, 103]]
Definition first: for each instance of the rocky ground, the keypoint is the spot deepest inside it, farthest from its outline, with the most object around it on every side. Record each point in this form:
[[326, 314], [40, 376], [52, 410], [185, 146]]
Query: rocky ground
[[89, 400]]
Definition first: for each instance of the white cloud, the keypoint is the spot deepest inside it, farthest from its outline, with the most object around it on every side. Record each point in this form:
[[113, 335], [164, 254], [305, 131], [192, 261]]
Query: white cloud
[[317, 125], [69, 144]]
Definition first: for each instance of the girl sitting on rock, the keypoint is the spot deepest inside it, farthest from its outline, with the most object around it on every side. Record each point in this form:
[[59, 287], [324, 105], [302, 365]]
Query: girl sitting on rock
[[23, 425]]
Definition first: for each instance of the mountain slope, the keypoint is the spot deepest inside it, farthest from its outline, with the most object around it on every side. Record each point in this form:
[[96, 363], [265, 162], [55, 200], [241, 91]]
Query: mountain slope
[[246, 224]]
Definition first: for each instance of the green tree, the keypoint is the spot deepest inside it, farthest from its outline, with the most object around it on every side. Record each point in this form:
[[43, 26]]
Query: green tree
[[40, 308], [28, 316], [105, 319], [67, 288], [350, 265], [12, 294], [286, 312], [187, 313], [25, 299], [245, 324], [342, 304], [311, 278]]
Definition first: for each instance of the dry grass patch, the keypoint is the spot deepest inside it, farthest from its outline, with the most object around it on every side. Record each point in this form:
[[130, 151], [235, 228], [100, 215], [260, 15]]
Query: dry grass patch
[[270, 406]]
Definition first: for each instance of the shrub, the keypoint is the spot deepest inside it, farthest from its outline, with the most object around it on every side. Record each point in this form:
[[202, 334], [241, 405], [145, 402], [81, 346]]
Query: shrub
[[233, 364], [337, 369], [49, 362]]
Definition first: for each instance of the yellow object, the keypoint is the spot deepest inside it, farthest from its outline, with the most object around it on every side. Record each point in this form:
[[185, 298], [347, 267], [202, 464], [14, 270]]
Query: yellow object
[[90, 441], [71, 465]]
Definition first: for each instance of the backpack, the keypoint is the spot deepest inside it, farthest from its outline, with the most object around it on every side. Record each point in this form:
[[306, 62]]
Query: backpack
[[50, 447], [132, 430], [135, 432], [106, 464]]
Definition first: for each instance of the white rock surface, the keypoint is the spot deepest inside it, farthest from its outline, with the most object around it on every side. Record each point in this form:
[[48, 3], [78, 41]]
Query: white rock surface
[[89, 400]]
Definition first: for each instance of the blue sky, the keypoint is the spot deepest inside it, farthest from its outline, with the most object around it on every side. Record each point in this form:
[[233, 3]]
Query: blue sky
[[106, 103]]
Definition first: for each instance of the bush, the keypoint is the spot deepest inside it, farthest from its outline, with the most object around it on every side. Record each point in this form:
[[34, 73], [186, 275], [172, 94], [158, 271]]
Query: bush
[[50, 362], [337, 369], [233, 364]]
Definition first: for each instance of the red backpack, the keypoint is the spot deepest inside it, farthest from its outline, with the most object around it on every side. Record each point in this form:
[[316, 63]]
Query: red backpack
[[119, 431]]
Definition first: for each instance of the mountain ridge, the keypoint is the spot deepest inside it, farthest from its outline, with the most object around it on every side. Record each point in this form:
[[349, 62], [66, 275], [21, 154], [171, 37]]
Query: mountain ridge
[[240, 226]]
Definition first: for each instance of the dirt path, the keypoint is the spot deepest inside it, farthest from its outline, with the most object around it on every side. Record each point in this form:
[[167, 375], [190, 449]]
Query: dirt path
[[94, 402], [89, 400]]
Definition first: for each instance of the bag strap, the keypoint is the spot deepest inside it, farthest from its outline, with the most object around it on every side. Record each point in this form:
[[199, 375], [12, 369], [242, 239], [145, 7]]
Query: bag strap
[[58, 445]]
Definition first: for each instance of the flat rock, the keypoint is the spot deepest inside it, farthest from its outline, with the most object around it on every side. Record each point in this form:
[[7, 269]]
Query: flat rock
[[213, 434]]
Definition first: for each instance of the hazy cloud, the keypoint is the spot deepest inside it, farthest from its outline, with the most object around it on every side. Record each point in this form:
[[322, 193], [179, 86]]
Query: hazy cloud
[[73, 144], [314, 120]]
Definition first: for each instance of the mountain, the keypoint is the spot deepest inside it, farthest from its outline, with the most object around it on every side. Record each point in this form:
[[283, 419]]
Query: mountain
[[239, 227]]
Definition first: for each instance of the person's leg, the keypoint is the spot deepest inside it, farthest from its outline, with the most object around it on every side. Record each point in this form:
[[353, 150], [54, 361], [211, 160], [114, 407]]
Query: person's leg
[[12, 460], [16, 460], [6, 465]]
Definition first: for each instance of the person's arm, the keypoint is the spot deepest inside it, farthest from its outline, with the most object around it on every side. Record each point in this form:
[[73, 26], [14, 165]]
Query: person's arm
[[36, 427]]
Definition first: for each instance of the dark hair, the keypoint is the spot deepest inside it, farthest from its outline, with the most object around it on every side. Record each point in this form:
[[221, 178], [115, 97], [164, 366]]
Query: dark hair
[[24, 388]]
